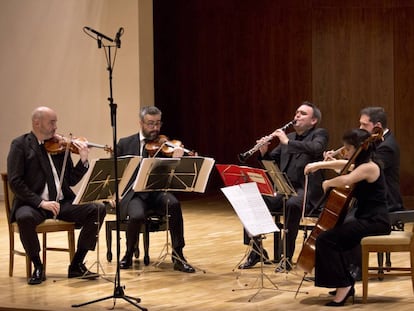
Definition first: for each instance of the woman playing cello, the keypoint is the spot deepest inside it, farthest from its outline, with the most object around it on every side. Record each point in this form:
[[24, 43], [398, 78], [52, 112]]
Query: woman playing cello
[[371, 216]]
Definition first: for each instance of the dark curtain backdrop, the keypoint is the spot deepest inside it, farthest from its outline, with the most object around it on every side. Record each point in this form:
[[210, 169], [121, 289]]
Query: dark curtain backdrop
[[230, 71]]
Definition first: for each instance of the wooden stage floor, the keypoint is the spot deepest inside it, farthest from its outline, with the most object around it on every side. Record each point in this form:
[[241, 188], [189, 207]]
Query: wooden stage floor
[[214, 243]]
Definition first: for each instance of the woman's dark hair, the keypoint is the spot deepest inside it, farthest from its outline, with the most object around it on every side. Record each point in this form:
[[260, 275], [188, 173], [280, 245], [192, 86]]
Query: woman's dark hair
[[358, 138]]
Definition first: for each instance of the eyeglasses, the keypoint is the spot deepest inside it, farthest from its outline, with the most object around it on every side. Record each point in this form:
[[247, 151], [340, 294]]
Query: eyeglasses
[[152, 124]]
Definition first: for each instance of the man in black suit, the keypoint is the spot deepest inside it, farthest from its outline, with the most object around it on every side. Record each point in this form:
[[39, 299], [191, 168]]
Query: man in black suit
[[135, 206], [34, 177], [294, 151], [387, 152]]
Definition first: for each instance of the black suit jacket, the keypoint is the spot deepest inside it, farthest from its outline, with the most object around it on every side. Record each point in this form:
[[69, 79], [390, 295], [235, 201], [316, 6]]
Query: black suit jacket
[[27, 172], [129, 145], [293, 157], [388, 155]]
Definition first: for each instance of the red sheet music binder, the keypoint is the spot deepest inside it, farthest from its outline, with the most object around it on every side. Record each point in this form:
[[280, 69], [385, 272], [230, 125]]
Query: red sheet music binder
[[235, 175]]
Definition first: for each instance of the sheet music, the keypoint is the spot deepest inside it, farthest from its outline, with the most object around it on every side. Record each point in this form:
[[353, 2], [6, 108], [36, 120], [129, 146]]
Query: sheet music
[[251, 208], [235, 175]]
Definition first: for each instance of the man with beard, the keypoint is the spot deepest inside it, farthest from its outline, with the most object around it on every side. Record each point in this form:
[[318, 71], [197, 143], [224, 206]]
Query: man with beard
[[136, 205]]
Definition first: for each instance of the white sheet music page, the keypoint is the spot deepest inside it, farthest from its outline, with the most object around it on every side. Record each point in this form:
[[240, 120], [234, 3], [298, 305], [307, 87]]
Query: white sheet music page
[[251, 208]]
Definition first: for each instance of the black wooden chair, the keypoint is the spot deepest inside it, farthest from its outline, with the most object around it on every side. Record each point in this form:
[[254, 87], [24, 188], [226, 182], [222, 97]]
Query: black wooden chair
[[153, 223]]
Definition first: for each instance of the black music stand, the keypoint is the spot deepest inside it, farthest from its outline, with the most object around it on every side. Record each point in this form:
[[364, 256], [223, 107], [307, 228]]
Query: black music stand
[[186, 174], [99, 182], [99, 186], [282, 186], [253, 213]]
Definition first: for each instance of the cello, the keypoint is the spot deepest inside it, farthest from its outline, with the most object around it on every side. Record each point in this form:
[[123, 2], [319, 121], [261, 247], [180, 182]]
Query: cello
[[334, 211]]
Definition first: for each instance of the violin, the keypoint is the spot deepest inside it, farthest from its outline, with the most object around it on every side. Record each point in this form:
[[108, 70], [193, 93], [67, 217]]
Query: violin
[[58, 144], [165, 146]]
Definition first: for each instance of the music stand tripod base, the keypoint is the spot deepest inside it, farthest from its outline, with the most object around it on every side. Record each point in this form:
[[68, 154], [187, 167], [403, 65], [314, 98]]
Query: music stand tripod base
[[97, 261], [258, 248], [118, 293], [166, 249]]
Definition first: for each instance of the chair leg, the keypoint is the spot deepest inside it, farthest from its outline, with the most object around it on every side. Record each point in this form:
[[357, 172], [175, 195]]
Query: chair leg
[[388, 260], [28, 267], [380, 258], [108, 232], [365, 261], [11, 254], [412, 267], [71, 244], [146, 245], [44, 253], [136, 250]]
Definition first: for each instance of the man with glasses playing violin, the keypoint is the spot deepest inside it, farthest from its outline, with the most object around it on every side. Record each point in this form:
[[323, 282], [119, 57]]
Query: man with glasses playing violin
[[135, 206], [41, 193]]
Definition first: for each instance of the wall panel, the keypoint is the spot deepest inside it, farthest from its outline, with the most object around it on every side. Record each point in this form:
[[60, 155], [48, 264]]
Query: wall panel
[[352, 64], [404, 93], [229, 72]]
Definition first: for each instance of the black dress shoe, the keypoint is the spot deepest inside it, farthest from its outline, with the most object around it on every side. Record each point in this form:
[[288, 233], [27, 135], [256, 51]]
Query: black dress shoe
[[37, 276], [80, 271], [183, 266], [284, 266], [126, 262], [253, 259]]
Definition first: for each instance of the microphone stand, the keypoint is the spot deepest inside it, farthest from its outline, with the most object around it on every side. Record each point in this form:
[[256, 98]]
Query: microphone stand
[[118, 288]]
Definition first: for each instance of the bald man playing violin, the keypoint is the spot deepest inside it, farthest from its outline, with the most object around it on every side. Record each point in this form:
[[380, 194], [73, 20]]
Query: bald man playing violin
[[135, 205], [34, 177]]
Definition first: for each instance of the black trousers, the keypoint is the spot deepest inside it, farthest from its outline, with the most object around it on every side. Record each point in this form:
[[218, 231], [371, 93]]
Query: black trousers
[[85, 215], [154, 202], [333, 247], [293, 210]]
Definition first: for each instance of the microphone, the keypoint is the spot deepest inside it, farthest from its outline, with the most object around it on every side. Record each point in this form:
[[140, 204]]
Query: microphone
[[118, 37], [98, 33]]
